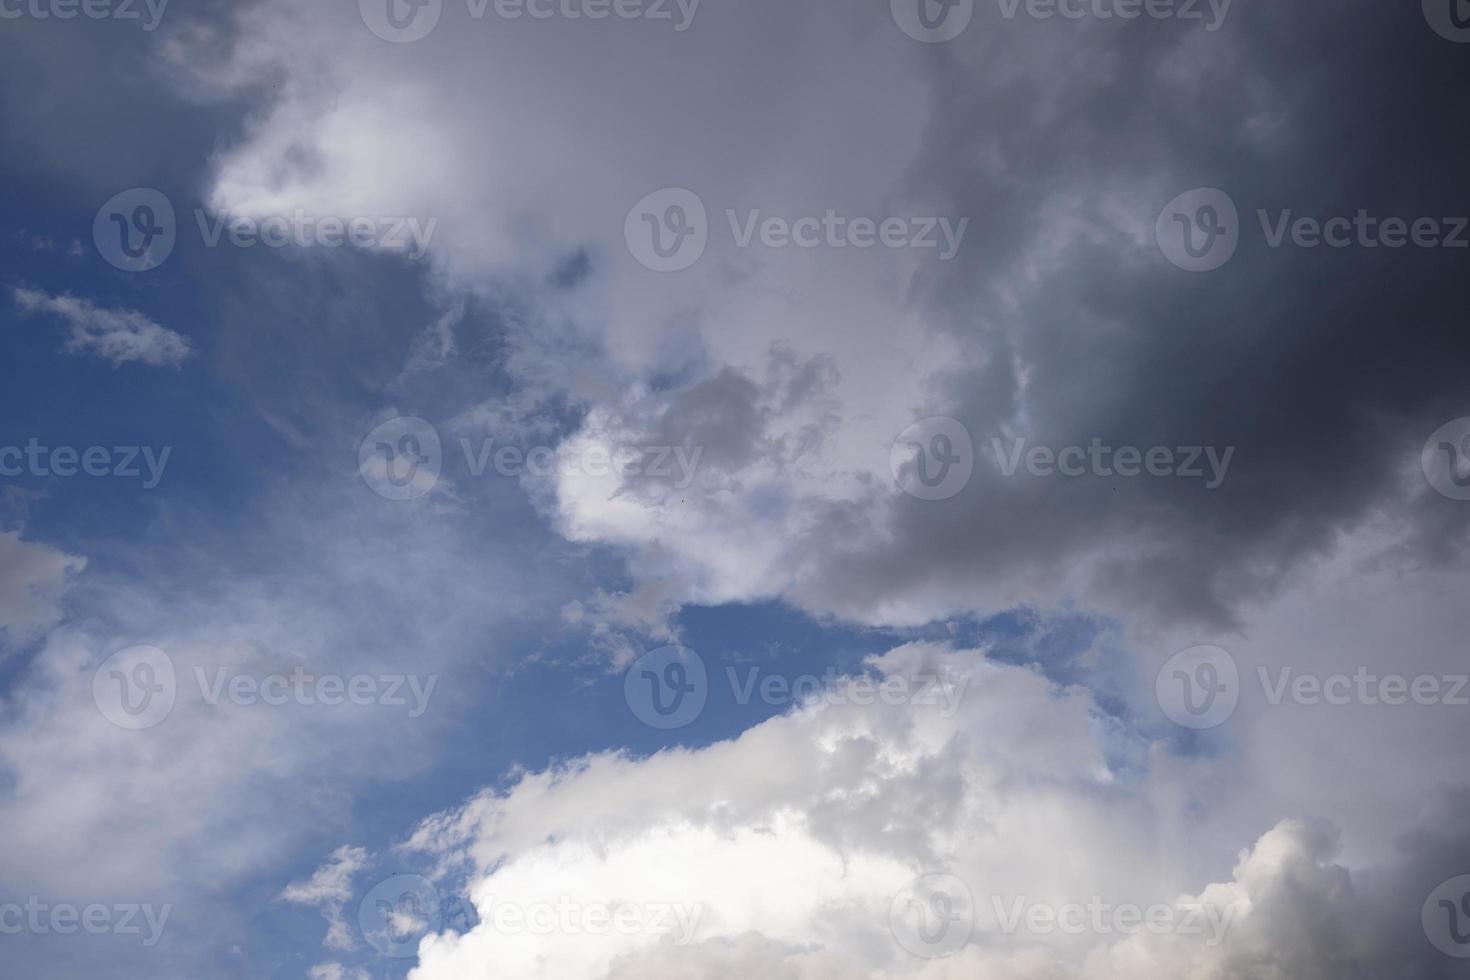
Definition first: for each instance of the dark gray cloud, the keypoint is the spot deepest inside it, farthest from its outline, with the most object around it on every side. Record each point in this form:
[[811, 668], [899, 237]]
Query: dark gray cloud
[[1326, 368]]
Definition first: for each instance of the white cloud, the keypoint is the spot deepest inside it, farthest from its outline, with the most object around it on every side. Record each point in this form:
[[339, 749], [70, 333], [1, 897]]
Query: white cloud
[[329, 888], [787, 847], [336, 971], [332, 882], [321, 147], [118, 336]]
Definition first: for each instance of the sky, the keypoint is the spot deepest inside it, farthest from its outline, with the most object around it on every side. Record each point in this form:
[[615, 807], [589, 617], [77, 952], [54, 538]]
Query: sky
[[611, 489]]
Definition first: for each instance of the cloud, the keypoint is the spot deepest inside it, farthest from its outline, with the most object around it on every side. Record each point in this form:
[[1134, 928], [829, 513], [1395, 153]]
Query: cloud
[[791, 372], [336, 971], [33, 578], [118, 336], [330, 887], [1058, 322], [217, 798], [786, 851]]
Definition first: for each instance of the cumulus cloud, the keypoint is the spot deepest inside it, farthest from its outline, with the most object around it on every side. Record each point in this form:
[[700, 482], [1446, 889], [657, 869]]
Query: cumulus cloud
[[119, 336], [789, 850], [1025, 334]]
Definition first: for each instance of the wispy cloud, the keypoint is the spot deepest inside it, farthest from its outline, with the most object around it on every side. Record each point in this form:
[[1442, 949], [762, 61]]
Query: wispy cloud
[[32, 580], [336, 971], [329, 888], [121, 336]]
